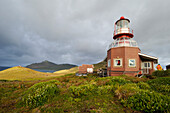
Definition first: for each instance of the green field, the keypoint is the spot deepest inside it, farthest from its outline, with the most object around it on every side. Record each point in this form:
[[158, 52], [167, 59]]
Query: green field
[[94, 94]]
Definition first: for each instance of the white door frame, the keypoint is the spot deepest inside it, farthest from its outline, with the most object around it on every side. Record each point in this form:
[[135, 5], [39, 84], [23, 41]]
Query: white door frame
[[147, 67]]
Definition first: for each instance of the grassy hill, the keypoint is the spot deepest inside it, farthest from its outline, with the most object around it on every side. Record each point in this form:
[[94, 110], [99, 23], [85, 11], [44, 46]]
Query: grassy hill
[[26, 74], [22, 73], [101, 64], [67, 71], [47, 65]]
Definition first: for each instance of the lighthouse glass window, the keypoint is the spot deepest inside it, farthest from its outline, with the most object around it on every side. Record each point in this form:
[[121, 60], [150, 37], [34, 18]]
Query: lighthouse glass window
[[109, 63], [132, 63], [118, 62]]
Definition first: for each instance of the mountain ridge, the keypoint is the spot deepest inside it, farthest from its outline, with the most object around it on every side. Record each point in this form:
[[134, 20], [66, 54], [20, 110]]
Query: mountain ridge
[[47, 65]]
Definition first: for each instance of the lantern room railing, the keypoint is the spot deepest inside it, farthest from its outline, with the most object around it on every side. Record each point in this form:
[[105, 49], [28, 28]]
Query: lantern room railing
[[123, 30], [124, 41]]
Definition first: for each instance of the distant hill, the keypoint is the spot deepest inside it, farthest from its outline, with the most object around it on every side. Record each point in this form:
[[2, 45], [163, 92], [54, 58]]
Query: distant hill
[[101, 64], [26, 74], [3, 68], [21, 73], [47, 65], [67, 71]]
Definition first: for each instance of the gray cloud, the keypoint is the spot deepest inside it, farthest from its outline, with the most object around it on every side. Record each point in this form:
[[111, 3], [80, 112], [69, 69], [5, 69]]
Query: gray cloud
[[78, 31]]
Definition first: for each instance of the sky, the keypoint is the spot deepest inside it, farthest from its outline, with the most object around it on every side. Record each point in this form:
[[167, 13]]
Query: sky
[[79, 31]]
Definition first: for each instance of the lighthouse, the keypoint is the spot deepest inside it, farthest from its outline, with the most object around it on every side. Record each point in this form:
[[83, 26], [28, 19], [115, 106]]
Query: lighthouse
[[124, 55]]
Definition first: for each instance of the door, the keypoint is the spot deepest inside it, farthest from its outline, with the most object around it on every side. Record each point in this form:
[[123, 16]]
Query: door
[[146, 66]]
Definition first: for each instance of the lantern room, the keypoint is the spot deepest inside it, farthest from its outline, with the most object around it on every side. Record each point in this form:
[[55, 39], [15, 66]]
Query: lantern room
[[121, 28]]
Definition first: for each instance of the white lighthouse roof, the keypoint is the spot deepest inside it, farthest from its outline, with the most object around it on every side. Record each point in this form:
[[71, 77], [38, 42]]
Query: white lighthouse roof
[[123, 41]]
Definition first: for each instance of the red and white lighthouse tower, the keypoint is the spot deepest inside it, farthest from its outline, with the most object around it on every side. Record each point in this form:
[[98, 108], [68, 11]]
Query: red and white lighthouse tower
[[124, 55], [121, 28]]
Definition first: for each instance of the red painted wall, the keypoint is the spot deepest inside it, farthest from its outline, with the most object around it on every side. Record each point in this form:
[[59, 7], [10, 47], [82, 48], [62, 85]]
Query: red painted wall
[[125, 53]]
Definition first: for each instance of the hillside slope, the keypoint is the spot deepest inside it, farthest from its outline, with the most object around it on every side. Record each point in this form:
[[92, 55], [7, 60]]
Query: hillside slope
[[67, 71], [22, 73], [101, 64], [47, 65]]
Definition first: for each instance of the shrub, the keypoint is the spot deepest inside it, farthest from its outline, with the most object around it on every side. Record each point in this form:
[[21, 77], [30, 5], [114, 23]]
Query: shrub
[[167, 72], [160, 85], [39, 93], [127, 90], [150, 76], [117, 80], [111, 81], [161, 73], [160, 81], [135, 79], [106, 89], [82, 90], [148, 101], [143, 85], [102, 78]]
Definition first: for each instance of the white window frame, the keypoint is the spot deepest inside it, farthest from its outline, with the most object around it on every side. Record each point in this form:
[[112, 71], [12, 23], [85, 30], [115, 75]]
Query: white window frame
[[114, 62], [129, 63], [147, 65], [108, 63]]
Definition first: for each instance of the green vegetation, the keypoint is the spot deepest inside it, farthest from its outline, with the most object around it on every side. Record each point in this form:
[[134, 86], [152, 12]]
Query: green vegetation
[[101, 64], [126, 90], [82, 90], [161, 85], [39, 93], [143, 85], [162, 73], [148, 101], [90, 93]]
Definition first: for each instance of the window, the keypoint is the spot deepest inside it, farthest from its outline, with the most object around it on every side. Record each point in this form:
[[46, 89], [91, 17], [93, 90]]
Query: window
[[147, 65], [108, 63], [118, 62], [132, 63], [90, 70]]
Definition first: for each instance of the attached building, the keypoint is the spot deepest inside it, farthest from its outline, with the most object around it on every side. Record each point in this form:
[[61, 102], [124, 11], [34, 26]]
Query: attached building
[[86, 68]]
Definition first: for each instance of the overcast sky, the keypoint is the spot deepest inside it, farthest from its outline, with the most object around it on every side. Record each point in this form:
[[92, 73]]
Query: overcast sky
[[78, 31]]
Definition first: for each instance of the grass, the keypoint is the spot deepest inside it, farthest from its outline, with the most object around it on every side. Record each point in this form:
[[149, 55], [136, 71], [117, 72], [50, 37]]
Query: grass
[[67, 71], [101, 64], [105, 94], [12, 92]]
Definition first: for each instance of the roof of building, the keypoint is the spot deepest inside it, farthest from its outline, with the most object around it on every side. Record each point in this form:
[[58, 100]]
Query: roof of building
[[148, 57], [122, 18], [87, 66], [168, 65]]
